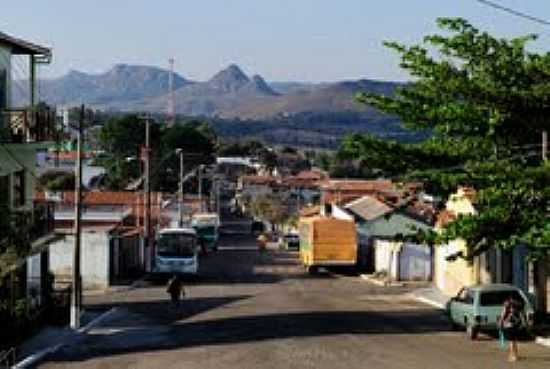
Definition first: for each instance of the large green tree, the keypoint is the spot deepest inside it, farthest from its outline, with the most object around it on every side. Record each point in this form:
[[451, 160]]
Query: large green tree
[[121, 138], [487, 101]]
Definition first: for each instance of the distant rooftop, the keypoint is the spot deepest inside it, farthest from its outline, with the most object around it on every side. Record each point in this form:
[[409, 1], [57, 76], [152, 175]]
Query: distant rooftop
[[22, 47], [369, 207]]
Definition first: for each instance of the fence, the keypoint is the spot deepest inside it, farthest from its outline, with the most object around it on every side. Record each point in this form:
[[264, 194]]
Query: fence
[[24, 321]]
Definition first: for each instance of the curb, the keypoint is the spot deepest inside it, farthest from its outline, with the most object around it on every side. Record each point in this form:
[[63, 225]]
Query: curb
[[380, 283], [430, 302], [33, 359], [543, 341]]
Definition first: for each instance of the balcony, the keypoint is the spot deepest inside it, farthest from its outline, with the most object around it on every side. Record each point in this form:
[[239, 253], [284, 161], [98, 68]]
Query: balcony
[[28, 125], [38, 223]]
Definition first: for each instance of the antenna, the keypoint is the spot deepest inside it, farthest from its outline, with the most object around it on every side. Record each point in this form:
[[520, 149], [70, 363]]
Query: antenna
[[171, 102]]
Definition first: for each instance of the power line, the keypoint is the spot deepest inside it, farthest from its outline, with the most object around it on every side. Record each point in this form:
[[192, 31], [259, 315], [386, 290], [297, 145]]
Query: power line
[[514, 12]]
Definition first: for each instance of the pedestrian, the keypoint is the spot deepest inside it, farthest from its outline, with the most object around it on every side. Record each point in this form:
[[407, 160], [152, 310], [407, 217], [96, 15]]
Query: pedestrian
[[175, 289], [511, 322], [262, 242]]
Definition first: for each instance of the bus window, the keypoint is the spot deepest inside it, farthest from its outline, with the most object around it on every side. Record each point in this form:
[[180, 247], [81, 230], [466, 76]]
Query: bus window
[[176, 245]]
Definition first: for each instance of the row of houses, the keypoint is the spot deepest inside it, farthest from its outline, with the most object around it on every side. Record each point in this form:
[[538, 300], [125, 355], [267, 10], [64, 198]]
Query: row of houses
[[112, 222], [385, 214], [385, 211]]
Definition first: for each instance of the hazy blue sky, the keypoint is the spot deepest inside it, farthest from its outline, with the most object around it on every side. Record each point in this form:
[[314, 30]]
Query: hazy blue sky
[[309, 40]]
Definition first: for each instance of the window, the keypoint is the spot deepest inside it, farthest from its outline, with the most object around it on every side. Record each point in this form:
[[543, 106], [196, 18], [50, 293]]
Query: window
[[19, 188], [497, 298], [465, 296], [5, 191], [176, 245]]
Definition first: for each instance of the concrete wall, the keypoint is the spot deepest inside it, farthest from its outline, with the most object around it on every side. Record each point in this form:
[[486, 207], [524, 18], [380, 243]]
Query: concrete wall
[[382, 254], [94, 259], [340, 213], [451, 276]]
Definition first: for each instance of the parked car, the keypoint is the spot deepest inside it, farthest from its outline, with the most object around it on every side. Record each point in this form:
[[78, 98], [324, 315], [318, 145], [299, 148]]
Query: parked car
[[478, 308], [291, 241]]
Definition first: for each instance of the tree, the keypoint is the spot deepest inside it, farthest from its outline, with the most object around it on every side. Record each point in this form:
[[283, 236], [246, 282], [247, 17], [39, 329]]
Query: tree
[[481, 86], [270, 208], [486, 101], [121, 138], [198, 148], [57, 180]]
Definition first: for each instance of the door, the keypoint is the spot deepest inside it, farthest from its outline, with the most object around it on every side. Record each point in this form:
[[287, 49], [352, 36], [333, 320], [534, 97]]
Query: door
[[462, 306]]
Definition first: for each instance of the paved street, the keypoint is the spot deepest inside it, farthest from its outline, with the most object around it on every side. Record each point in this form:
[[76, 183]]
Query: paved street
[[251, 310]]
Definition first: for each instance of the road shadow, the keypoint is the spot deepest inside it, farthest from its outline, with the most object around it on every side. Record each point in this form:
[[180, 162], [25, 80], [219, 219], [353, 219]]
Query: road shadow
[[163, 311], [120, 337]]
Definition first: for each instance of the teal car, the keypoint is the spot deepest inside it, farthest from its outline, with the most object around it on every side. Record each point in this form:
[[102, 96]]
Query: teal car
[[478, 308]]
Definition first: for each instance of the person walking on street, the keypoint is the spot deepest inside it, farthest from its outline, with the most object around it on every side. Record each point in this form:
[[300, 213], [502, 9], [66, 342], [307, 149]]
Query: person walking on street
[[262, 242], [175, 289], [511, 322]]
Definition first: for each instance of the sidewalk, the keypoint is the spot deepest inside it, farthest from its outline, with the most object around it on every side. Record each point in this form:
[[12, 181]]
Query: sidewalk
[[50, 339], [434, 297]]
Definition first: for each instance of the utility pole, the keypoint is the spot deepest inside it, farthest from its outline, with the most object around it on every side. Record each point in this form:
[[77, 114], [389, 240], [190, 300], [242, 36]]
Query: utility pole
[[171, 101], [180, 202], [76, 293], [147, 189], [218, 197], [544, 145], [200, 187]]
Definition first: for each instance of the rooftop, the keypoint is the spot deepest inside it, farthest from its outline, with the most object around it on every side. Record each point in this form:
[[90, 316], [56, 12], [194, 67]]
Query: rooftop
[[260, 180], [22, 47], [357, 185], [369, 208]]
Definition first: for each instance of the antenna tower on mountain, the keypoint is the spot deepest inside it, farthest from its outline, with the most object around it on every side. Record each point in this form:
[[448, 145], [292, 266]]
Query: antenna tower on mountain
[[171, 102]]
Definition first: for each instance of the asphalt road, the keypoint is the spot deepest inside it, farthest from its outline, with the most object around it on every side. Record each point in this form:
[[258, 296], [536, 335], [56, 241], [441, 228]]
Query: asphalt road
[[252, 310]]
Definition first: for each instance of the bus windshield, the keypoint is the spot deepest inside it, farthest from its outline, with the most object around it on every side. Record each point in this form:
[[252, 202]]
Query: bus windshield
[[176, 245]]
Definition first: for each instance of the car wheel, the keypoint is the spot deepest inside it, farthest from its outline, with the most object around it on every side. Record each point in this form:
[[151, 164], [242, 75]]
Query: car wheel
[[471, 331]]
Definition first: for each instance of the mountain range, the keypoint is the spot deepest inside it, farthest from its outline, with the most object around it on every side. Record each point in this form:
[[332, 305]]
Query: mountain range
[[230, 93]]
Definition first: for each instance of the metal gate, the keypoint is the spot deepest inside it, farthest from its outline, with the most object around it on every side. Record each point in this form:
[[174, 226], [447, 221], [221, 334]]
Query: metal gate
[[415, 262]]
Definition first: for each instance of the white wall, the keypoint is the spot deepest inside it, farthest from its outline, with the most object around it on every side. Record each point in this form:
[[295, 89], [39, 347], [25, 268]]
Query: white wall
[[339, 213], [34, 280], [94, 259], [382, 254]]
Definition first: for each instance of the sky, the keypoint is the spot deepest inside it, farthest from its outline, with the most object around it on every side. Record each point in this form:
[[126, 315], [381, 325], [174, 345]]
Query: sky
[[282, 40]]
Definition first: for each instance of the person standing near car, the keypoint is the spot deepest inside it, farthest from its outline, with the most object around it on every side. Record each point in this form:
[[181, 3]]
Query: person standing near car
[[511, 322]]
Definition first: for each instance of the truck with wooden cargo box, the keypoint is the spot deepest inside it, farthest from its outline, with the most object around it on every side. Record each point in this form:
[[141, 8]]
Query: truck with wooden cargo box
[[327, 241]]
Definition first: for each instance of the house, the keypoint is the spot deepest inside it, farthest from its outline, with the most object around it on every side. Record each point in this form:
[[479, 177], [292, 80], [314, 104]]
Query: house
[[26, 128], [380, 221], [453, 271], [252, 186], [234, 167], [342, 191], [112, 236], [304, 187]]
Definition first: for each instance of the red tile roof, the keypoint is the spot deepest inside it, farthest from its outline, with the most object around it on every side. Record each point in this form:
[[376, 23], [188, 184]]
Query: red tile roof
[[357, 185], [259, 180], [445, 217]]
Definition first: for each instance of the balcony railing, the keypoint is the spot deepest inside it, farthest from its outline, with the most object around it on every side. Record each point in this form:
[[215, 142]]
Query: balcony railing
[[28, 125], [38, 223]]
